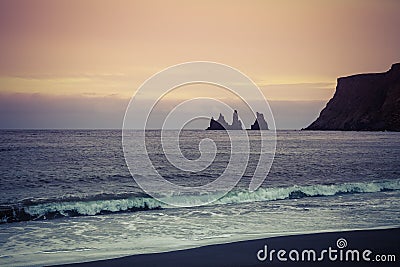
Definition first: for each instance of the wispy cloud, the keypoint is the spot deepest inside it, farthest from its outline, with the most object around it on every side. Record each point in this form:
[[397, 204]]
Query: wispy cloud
[[302, 84], [299, 91], [83, 84]]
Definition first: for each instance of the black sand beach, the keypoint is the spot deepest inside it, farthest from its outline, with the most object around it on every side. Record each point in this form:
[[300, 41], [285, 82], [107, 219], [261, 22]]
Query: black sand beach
[[381, 243]]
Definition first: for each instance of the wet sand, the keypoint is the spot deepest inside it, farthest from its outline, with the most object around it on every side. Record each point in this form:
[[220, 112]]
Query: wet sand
[[383, 242]]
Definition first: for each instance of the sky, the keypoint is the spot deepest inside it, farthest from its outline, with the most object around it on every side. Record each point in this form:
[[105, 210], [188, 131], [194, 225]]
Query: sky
[[76, 64]]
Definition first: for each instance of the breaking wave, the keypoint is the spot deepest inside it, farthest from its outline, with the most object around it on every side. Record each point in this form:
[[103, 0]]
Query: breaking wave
[[97, 206]]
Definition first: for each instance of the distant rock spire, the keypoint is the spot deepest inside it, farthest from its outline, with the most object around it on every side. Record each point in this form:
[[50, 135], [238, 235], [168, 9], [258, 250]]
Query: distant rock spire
[[221, 124], [260, 122], [236, 123]]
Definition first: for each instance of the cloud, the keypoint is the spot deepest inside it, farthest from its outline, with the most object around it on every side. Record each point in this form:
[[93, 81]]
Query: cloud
[[295, 114], [39, 111], [49, 84], [299, 91], [32, 111]]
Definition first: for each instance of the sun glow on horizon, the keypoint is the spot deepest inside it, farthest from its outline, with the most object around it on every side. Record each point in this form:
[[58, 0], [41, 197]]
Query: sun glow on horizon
[[96, 50]]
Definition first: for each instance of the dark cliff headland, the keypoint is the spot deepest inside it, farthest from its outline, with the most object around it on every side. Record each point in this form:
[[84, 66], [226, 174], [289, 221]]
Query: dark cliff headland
[[363, 102]]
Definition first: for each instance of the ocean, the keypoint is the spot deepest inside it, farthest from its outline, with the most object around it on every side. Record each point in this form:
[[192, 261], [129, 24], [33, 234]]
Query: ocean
[[68, 196]]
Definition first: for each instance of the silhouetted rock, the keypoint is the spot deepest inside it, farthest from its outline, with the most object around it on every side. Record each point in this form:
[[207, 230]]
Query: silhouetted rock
[[221, 124], [363, 102], [236, 123], [260, 123]]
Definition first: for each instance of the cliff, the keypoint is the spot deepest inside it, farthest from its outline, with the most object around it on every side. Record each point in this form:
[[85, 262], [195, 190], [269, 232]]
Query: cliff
[[363, 102]]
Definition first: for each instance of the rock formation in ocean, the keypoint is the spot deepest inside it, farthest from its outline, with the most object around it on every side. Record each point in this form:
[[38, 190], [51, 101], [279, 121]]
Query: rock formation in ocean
[[221, 124], [236, 123], [363, 102], [260, 123]]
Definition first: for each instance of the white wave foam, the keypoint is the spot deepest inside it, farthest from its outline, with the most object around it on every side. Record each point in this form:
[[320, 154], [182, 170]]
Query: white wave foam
[[262, 194], [93, 207], [265, 194]]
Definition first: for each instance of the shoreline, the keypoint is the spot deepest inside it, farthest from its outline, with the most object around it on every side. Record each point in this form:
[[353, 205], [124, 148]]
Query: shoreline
[[381, 242]]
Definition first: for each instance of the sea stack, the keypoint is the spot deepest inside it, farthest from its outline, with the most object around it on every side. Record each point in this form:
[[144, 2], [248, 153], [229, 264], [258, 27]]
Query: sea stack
[[363, 102], [260, 123], [236, 123], [221, 124]]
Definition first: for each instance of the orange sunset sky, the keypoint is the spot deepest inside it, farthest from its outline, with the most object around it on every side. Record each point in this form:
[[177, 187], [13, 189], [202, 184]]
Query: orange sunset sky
[[75, 64]]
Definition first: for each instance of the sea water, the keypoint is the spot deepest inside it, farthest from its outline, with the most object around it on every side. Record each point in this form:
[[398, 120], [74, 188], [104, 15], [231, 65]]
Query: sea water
[[67, 195]]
